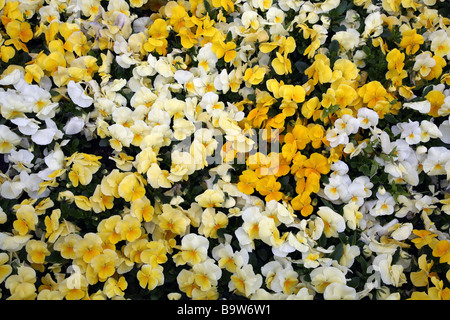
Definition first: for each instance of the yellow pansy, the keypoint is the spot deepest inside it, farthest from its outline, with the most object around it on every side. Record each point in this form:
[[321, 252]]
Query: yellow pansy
[[254, 76], [269, 187], [150, 277], [294, 93], [373, 93], [228, 5], [27, 219], [281, 64], [37, 251], [158, 33], [22, 284], [20, 32], [107, 229], [345, 68], [441, 250], [310, 107], [344, 95], [104, 264], [436, 70], [53, 61], [247, 181], [395, 59], [396, 77], [154, 253], [5, 269], [211, 222], [132, 187], [424, 238], [11, 12], [113, 287], [65, 245], [302, 203], [276, 122], [436, 99], [411, 41], [142, 209], [316, 134], [420, 278], [320, 70], [80, 174], [178, 16], [88, 247], [77, 43], [7, 53], [53, 227], [225, 50], [258, 115], [129, 228], [173, 220], [295, 140], [101, 202]]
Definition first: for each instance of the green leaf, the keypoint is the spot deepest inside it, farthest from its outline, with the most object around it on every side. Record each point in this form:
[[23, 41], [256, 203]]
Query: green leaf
[[390, 118], [330, 110], [301, 66], [373, 169], [252, 97], [334, 47], [354, 282], [207, 7], [363, 263], [229, 37], [338, 252], [365, 170]]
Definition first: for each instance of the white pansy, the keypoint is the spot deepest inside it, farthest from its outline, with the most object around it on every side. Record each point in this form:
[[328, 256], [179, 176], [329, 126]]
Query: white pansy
[[47, 135], [423, 63], [26, 126], [410, 131], [11, 78], [158, 117], [436, 160], [444, 128], [429, 130], [182, 129], [336, 138], [390, 274], [339, 291], [367, 118], [21, 160], [421, 106], [336, 189], [348, 39], [334, 222], [373, 25], [78, 95], [444, 110], [74, 125], [322, 277], [402, 231], [13, 243], [11, 189], [222, 81], [123, 134], [384, 205], [8, 139], [275, 15], [54, 160], [206, 58]]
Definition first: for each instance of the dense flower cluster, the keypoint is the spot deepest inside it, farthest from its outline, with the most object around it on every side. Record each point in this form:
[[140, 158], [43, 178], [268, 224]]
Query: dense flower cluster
[[224, 149]]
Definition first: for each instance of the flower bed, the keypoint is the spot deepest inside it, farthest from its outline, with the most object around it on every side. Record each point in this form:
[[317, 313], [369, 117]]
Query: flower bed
[[224, 149]]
